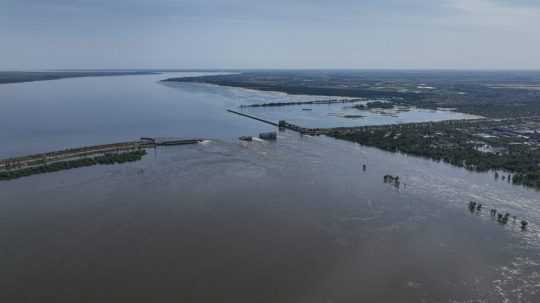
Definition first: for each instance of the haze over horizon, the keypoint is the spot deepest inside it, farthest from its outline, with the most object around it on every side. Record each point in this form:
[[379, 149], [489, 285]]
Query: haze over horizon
[[241, 34]]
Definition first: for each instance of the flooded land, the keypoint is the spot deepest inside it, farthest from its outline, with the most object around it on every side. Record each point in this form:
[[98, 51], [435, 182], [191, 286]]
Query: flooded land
[[299, 219]]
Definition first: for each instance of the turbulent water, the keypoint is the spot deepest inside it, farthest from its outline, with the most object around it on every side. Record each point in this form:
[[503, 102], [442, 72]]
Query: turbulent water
[[297, 220]]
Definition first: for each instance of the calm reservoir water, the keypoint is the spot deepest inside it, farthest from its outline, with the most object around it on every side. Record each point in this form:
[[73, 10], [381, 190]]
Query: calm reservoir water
[[297, 220]]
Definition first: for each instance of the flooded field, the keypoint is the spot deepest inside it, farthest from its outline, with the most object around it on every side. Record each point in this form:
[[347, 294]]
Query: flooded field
[[296, 220], [327, 115], [345, 115]]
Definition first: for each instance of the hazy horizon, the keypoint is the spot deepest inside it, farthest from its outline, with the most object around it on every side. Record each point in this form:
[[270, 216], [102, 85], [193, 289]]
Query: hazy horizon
[[232, 69], [241, 34]]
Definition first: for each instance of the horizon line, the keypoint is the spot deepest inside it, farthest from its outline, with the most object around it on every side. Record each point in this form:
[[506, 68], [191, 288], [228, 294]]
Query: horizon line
[[273, 69]]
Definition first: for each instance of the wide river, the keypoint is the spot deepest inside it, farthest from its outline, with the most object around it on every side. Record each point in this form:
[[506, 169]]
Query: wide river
[[296, 220]]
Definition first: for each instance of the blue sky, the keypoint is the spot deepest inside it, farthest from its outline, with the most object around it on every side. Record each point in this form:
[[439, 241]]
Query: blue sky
[[461, 34]]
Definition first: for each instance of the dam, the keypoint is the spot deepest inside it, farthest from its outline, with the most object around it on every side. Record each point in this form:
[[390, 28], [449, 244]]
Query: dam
[[15, 167]]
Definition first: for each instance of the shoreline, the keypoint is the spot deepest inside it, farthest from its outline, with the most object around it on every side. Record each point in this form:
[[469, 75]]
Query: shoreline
[[11, 77], [294, 90]]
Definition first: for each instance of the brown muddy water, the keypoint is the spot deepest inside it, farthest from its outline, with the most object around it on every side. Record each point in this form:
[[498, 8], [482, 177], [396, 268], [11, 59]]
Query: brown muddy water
[[297, 220], [292, 221]]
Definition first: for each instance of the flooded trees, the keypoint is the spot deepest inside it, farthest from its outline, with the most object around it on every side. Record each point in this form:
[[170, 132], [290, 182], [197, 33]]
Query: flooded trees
[[394, 180], [454, 144]]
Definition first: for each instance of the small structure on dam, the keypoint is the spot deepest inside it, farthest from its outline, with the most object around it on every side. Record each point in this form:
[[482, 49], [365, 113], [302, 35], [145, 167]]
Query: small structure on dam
[[168, 141]]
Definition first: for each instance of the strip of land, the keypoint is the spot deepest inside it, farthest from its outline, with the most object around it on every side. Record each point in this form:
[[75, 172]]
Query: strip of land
[[315, 102], [106, 159], [17, 167]]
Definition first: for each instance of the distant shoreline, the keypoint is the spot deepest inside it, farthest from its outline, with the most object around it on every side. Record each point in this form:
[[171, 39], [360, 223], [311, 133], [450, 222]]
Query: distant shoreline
[[481, 94], [293, 90], [7, 77]]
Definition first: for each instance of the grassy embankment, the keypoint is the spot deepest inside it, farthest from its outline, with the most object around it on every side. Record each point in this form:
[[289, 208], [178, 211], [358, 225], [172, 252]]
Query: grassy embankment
[[107, 159]]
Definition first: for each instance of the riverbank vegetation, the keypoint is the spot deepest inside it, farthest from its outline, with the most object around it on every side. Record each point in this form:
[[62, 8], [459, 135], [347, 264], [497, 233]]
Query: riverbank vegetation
[[455, 143]]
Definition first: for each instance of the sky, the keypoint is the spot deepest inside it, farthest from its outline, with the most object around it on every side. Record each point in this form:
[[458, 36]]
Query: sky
[[245, 34]]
